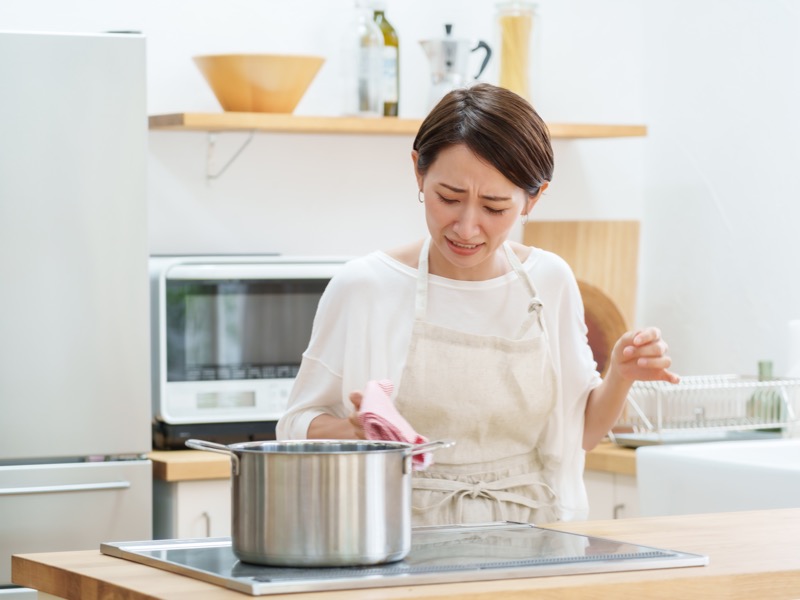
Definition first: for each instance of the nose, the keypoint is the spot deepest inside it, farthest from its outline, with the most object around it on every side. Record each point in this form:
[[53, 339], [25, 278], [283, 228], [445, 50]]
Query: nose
[[466, 224]]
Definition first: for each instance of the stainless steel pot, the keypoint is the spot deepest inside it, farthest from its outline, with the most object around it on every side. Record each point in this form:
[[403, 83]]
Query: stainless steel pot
[[320, 502]]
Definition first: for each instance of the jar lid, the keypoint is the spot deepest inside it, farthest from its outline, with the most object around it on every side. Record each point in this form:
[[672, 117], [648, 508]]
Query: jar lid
[[516, 7]]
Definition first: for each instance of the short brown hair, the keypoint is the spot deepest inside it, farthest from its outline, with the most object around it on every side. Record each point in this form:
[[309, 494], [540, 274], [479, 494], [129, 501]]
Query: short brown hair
[[497, 125]]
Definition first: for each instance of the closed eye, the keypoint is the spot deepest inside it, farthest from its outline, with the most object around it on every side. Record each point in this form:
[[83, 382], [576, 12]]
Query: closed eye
[[447, 200], [488, 209], [495, 211]]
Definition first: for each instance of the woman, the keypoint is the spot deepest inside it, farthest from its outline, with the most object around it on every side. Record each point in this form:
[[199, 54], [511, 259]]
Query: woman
[[483, 338]]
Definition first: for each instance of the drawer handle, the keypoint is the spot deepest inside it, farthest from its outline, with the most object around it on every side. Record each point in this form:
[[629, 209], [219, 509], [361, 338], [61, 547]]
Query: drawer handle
[[207, 518], [57, 489]]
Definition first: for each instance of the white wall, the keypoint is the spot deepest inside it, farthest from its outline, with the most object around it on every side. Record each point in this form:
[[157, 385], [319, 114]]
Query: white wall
[[720, 232], [715, 81]]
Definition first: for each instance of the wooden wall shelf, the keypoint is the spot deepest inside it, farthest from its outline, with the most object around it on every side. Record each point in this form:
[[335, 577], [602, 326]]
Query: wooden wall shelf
[[280, 123]]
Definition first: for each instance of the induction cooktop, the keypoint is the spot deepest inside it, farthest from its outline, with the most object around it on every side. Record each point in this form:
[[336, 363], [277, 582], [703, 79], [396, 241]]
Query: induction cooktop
[[443, 554]]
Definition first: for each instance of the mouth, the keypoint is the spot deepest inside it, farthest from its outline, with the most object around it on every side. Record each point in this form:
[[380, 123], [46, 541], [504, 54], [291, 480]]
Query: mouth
[[461, 248]]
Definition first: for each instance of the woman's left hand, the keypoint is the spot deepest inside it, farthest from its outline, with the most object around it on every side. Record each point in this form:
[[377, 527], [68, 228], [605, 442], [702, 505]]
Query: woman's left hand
[[642, 355]]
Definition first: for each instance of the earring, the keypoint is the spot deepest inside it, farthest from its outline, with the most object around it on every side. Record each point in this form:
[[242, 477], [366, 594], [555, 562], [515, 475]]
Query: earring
[[420, 197], [524, 218]]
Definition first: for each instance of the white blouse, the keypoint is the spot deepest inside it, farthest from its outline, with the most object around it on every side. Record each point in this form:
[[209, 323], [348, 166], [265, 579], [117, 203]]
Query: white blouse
[[363, 327]]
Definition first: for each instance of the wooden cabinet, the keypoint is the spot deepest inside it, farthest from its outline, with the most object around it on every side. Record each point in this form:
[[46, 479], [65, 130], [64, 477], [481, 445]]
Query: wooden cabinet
[[610, 479], [611, 495], [191, 509], [191, 494], [626, 496]]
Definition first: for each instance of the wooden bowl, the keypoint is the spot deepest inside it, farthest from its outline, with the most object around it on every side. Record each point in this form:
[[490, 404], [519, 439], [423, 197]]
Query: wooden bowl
[[271, 83], [604, 322]]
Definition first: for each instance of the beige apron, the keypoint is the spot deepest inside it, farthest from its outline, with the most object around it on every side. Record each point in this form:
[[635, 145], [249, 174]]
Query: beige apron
[[493, 396]]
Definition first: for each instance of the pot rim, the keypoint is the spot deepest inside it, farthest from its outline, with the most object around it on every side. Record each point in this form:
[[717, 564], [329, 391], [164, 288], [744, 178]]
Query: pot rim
[[319, 447]]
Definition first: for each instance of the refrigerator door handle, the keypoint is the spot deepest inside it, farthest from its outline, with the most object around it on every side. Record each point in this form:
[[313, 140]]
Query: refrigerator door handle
[[57, 489]]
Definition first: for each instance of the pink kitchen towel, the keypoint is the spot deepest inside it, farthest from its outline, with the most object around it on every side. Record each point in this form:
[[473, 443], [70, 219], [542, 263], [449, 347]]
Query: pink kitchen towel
[[382, 421]]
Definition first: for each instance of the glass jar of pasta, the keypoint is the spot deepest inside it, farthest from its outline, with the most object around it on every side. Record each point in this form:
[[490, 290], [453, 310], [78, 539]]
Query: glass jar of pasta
[[515, 20]]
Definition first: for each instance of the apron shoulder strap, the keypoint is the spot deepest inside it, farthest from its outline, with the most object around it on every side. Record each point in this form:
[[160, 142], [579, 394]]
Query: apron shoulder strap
[[535, 304], [421, 297]]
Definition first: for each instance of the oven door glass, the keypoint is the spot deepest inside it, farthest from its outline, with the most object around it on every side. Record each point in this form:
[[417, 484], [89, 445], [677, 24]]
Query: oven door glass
[[243, 329]]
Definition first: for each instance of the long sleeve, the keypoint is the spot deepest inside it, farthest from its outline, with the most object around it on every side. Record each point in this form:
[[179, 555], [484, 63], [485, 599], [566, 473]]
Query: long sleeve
[[360, 333]]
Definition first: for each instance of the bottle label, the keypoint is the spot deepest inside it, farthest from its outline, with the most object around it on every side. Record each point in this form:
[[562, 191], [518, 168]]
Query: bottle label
[[390, 86]]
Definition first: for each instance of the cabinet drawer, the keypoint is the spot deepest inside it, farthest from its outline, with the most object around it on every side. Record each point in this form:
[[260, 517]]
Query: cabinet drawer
[[72, 506]]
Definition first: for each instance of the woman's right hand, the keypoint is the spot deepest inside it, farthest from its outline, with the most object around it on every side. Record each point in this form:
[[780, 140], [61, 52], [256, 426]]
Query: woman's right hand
[[355, 422], [328, 427]]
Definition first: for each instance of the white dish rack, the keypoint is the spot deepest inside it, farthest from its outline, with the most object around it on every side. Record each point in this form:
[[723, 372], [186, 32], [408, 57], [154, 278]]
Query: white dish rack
[[707, 408]]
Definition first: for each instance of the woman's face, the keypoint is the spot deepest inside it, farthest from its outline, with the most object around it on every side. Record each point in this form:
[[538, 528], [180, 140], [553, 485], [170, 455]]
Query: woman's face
[[470, 208]]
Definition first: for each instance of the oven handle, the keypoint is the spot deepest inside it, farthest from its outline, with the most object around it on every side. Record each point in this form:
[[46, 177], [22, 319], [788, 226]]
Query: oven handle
[[280, 269], [73, 487]]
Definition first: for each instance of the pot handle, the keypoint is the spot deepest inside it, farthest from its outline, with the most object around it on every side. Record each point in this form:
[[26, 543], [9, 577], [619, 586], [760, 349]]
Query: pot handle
[[428, 446], [214, 447]]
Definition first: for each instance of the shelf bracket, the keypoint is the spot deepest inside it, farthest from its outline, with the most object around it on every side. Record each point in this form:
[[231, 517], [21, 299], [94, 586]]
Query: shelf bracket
[[212, 140]]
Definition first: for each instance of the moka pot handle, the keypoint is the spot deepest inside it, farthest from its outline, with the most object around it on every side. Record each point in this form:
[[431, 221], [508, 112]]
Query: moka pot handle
[[483, 45]]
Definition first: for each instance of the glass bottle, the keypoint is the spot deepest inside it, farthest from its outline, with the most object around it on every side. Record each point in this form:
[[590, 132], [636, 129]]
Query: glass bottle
[[391, 61], [363, 64], [515, 22]]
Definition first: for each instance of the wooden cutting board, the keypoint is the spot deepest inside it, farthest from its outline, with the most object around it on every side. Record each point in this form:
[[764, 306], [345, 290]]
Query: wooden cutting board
[[604, 254], [604, 323]]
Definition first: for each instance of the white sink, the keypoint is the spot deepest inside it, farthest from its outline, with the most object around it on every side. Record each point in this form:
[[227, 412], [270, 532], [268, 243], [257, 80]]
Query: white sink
[[718, 477]]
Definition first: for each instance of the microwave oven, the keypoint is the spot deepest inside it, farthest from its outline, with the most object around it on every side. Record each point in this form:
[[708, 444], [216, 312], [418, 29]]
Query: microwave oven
[[228, 334]]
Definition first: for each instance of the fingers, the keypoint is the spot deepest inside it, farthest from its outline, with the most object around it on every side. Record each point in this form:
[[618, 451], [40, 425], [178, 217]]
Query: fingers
[[646, 336], [645, 356], [644, 343], [358, 428], [671, 377], [652, 350], [661, 374], [356, 398]]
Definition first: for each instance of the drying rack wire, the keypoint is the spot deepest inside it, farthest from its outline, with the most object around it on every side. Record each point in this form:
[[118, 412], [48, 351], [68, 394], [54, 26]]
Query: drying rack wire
[[708, 404]]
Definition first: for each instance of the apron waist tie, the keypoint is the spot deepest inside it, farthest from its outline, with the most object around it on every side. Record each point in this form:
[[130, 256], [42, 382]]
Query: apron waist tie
[[491, 490]]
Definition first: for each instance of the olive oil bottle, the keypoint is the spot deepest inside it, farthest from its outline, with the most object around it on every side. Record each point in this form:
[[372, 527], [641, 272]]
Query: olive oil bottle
[[362, 65], [391, 61]]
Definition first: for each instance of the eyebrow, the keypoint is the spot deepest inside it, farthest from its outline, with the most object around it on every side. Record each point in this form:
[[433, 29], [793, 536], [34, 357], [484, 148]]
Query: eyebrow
[[459, 190]]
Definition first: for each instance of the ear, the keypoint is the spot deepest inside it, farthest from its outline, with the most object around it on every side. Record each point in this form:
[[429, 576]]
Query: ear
[[414, 157], [532, 200]]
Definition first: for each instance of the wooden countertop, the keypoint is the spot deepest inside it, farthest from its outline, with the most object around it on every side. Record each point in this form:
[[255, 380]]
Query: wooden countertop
[[609, 457], [752, 555], [189, 465]]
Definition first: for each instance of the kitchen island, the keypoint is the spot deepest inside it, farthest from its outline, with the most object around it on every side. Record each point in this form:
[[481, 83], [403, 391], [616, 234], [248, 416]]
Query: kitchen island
[[752, 555]]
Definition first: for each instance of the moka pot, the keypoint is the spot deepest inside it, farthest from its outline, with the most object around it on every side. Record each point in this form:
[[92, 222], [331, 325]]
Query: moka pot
[[450, 60]]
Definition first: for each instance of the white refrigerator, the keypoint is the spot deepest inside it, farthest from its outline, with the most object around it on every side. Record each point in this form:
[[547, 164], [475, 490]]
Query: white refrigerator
[[74, 321]]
